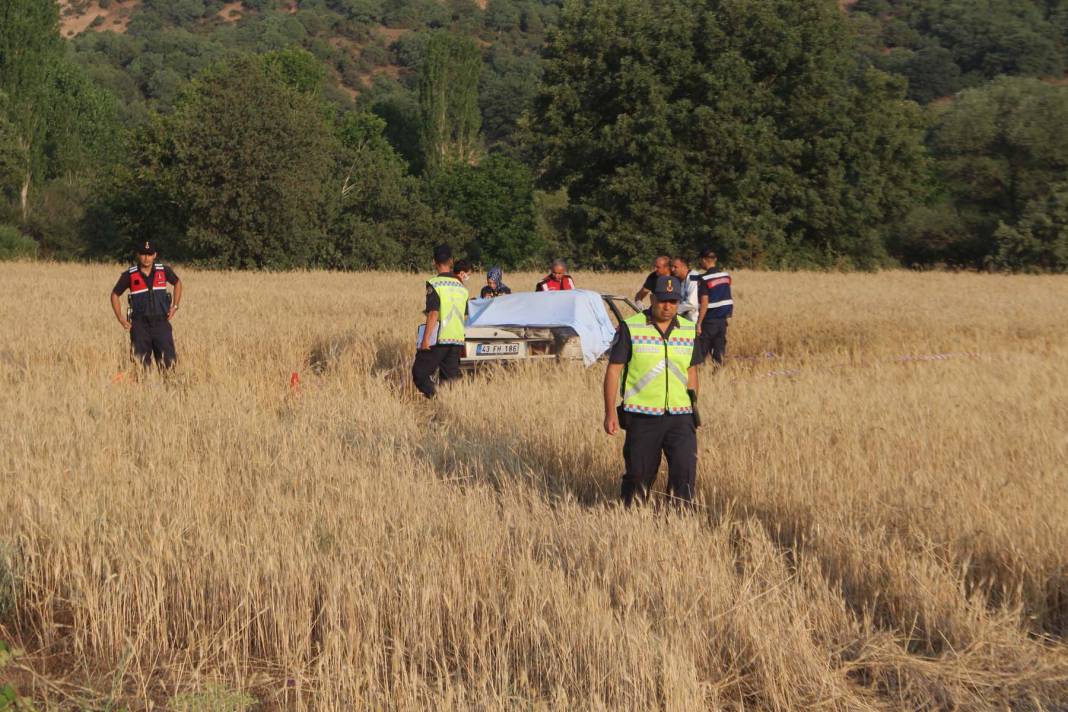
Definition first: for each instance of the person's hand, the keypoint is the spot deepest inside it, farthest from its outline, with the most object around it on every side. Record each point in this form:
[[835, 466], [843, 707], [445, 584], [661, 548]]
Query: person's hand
[[171, 312], [126, 324], [698, 328], [611, 422], [425, 346]]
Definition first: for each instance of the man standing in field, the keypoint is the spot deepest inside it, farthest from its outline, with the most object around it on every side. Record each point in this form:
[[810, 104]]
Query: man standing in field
[[717, 306], [151, 307], [661, 268], [655, 355], [442, 342]]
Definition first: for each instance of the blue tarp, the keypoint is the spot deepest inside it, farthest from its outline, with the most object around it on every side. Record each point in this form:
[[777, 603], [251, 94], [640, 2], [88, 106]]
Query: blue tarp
[[582, 310]]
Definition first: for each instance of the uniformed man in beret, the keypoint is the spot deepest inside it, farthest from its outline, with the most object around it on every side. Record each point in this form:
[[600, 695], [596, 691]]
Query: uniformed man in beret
[[151, 307], [653, 365]]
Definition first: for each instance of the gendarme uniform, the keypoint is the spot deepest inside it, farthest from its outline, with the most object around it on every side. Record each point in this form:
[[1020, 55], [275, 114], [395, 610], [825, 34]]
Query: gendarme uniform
[[716, 287], [150, 333], [448, 296], [657, 411]]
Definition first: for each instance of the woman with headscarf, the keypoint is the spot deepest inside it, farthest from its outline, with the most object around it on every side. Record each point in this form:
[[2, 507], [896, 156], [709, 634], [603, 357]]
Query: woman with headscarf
[[495, 285]]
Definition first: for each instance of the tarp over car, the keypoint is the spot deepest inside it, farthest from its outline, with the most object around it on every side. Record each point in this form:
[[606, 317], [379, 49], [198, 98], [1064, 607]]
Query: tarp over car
[[582, 310]]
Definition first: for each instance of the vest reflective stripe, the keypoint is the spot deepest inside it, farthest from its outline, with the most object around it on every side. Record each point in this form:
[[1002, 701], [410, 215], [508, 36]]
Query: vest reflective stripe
[[453, 297], [657, 376]]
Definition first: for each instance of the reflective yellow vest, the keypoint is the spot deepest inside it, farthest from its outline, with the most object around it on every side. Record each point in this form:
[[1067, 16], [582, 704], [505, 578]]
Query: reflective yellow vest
[[453, 295], [656, 379]]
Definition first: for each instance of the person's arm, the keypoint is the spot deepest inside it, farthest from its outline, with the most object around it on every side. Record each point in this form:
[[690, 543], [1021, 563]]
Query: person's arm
[[611, 388], [641, 295], [691, 379], [702, 311], [177, 299], [116, 306]]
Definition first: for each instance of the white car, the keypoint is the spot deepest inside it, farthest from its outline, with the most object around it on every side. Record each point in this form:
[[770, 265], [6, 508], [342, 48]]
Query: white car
[[542, 325]]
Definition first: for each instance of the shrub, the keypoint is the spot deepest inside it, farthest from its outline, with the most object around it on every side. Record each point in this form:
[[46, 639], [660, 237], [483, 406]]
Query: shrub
[[14, 245]]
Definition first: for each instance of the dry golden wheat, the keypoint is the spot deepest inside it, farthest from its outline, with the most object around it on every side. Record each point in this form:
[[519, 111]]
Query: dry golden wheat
[[881, 529]]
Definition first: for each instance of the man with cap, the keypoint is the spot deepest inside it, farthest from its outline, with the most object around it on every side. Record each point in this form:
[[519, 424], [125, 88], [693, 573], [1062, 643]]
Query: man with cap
[[716, 307], [151, 307], [442, 340], [653, 364]]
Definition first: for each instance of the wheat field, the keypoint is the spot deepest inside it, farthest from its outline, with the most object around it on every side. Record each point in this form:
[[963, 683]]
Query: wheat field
[[883, 520]]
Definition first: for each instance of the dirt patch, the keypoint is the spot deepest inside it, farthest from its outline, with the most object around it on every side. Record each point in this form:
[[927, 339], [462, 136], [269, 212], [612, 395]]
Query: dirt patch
[[392, 34], [230, 12], [76, 18]]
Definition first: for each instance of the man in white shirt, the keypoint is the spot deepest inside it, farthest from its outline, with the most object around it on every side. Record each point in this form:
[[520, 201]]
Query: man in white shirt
[[688, 306]]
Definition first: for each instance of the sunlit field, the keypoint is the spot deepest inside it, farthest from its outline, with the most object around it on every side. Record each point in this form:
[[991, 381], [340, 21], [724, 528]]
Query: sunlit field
[[883, 521]]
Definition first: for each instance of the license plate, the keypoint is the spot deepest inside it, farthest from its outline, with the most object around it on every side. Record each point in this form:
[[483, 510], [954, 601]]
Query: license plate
[[497, 350]]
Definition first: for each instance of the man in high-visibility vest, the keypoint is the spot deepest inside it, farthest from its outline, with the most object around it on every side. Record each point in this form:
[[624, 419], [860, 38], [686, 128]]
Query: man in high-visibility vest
[[655, 356], [442, 342]]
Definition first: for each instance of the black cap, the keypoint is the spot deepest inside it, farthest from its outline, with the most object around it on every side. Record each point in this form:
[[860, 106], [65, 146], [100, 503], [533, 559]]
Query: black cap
[[442, 254], [668, 289], [146, 248], [708, 252]]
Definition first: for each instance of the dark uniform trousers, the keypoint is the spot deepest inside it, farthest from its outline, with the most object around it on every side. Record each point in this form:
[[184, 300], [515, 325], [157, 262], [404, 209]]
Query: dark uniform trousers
[[714, 339], [443, 360], [152, 338], [647, 437]]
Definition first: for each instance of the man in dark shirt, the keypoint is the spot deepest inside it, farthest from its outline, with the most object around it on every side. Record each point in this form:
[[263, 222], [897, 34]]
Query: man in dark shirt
[[151, 307], [442, 343], [661, 268], [653, 364], [715, 307]]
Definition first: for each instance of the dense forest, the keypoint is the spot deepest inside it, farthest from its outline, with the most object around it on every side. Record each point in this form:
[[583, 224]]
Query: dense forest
[[354, 134]]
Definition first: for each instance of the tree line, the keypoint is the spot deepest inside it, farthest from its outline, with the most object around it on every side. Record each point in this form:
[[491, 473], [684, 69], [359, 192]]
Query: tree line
[[784, 133]]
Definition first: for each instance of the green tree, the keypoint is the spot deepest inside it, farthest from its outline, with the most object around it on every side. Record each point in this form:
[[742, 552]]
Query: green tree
[[381, 220], [999, 149], [296, 68], [496, 199], [448, 99], [252, 158], [29, 51], [741, 123], [1040, 240]]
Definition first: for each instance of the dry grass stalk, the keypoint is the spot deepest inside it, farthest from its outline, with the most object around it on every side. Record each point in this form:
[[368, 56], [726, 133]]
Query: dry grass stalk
[[877, 533]]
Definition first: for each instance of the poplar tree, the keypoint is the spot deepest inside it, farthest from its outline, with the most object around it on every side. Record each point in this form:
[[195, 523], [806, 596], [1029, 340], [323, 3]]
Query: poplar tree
[[448, 100], [30, 48]]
